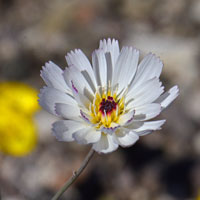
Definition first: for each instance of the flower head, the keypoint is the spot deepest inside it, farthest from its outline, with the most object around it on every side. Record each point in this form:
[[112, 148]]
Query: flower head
[[18, 131], [109, 102]]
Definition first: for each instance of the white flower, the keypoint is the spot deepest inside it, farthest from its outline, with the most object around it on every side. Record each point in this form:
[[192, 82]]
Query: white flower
[[108, 103]]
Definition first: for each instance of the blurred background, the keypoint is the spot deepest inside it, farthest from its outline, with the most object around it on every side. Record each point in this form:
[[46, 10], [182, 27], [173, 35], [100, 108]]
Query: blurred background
[[33, 165]]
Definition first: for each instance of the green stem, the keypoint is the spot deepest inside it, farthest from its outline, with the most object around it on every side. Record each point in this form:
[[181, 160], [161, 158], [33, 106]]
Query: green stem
[[74, 176]]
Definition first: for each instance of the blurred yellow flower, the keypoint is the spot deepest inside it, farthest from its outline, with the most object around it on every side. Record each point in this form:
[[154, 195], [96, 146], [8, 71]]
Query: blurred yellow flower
[[198, 197], [17, 129]]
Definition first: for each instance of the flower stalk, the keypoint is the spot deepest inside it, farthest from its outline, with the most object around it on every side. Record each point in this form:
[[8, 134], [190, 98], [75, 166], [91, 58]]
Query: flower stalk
[[75, 175]]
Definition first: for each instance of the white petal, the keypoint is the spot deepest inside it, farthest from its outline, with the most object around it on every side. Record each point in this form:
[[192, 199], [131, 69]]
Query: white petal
[[143, 133], [82, 100], [64, 129], [48, 98], [106, 144], [86, 116], [110, 68], [73, 75], [127, 118], [100, 67], [102, 144], [147, 111], [67, 111], [128, 139], [150, 67], [53, 77], [112, 128], [111, 51], [146, 126], [80, 61], [126, 67], [168, 97], [111, 47], [87, 135], [146, 93], [80, 88]]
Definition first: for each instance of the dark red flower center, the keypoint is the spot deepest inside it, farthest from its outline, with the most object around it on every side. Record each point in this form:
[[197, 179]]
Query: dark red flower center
[[107, 105]]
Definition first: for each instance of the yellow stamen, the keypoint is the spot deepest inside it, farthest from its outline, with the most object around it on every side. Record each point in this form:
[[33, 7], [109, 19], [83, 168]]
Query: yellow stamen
[[106, 108]]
